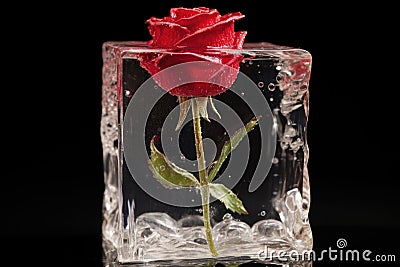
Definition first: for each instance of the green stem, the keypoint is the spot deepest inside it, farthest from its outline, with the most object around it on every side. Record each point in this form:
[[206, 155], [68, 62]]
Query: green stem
[[204, 190]]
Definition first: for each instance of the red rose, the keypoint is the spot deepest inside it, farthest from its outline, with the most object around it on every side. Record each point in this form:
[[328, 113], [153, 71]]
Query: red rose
[[189, 35]]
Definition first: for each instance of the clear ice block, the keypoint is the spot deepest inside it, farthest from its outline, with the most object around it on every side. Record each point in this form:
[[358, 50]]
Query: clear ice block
[[144, 220]]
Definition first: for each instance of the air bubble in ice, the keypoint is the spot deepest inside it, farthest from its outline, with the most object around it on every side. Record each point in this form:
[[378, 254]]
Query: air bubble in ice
[[250, 62], [231, 231], [271, 87], [263, 213], [200, 241], [162, 168], [149, 236], [128, 93], [260, 84], [268, 229], [155, 87], [279, 77], [275, 161]]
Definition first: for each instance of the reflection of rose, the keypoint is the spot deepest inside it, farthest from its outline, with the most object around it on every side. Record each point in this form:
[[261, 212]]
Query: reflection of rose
[[301, 68], [187, 33]]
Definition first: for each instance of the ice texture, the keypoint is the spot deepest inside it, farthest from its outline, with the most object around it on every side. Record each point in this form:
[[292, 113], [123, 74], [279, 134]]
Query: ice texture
[[138, 228]]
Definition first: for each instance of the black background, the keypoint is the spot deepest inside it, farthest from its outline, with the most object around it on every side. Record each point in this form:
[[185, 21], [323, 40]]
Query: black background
[[52, 180]]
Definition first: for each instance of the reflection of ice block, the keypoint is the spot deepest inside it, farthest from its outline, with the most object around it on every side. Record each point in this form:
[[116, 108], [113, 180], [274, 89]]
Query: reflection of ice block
[[143, 220]]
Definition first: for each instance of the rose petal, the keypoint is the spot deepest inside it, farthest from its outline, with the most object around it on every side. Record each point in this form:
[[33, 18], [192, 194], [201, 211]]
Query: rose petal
[[239, 39], [205, 72], [213, 75], [221, 34], [165, 33], [181, 12], [201, 20]]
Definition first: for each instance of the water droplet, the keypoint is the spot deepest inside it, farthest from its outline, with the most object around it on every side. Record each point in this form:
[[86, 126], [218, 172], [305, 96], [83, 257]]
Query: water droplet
[[263, 213], [271, 99], [194, 164], [278, 67], [192, 200], [259, 72], [155, 87], [260, 84], [250, 62], [275, 161], [162, 168], [271, 87], [128, 93], [227, 217], [229, 176], [242, 94], [258, 65]]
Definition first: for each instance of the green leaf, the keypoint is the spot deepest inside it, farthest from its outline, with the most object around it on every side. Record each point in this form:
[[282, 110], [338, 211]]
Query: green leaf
[[231, 145], [167, 173], [226, 196]]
